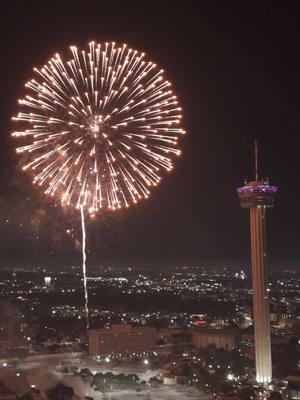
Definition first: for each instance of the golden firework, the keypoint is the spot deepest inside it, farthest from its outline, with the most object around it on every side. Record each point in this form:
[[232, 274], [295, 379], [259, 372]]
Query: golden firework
[[99, 130]]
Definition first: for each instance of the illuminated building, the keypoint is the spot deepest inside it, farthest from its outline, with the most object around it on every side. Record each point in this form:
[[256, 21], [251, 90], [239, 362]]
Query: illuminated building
[[122, 340], [47, 281], [259, 195], [220, 338]]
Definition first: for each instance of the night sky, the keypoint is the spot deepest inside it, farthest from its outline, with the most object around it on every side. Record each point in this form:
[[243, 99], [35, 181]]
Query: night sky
[[235, 67]]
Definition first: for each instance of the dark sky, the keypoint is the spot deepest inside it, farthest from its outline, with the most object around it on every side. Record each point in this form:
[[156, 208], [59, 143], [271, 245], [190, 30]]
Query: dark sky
[[235, 66]]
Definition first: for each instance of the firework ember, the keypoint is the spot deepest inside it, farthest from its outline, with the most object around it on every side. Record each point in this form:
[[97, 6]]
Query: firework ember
[[101, 129]]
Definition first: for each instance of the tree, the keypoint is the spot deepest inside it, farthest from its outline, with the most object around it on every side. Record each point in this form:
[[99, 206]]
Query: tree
[[60, 392], [85, 372], [109, 376], [98, 380], [275, 396], [132, 378], [120, 378], [74, 370], [155, 379]]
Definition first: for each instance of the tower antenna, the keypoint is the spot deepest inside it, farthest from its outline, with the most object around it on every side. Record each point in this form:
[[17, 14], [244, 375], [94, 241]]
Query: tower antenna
[[256, 160]]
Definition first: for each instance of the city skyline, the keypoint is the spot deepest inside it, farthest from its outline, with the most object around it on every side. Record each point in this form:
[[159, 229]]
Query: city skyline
[[128, 269]]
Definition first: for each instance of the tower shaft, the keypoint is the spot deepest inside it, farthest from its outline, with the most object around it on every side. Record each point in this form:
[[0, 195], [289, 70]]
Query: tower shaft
[[260, 294]]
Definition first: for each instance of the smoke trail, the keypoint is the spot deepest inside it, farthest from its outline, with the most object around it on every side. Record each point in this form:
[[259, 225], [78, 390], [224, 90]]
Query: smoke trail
[[86, 306]]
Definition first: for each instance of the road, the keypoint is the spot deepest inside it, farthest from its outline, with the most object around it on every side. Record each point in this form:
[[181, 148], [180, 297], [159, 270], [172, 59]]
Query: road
[[44, 371]]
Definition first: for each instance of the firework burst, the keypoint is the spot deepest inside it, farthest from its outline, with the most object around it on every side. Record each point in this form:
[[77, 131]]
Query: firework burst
[[99, 130]]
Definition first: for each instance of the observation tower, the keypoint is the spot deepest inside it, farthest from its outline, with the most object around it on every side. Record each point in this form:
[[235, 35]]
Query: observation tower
[[258, 195]]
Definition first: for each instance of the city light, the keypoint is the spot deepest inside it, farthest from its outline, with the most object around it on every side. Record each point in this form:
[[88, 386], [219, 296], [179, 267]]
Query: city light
[[120, 279]]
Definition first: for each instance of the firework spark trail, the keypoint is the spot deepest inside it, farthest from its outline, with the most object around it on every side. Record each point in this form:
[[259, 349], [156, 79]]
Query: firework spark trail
[[98, 131], [101, 129], [86, 305]]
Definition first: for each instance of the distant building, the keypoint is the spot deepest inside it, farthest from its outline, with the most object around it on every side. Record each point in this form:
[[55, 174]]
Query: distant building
[[48, 283], [47, 280], [220, 338], [122, 340], [169, 380], [5, 344], [279, 316]]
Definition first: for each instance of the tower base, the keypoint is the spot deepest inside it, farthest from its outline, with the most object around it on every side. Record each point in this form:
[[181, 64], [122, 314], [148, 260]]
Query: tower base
[[262, 392]]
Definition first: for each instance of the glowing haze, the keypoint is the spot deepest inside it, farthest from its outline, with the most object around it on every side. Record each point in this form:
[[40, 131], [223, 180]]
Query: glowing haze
[[101, 129]]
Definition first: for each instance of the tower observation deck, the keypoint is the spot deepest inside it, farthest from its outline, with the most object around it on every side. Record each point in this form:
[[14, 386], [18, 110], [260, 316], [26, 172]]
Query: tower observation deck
[[258, 195]]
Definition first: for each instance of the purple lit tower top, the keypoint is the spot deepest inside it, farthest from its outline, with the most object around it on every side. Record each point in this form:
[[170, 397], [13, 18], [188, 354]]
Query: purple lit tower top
[[257, 193]]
